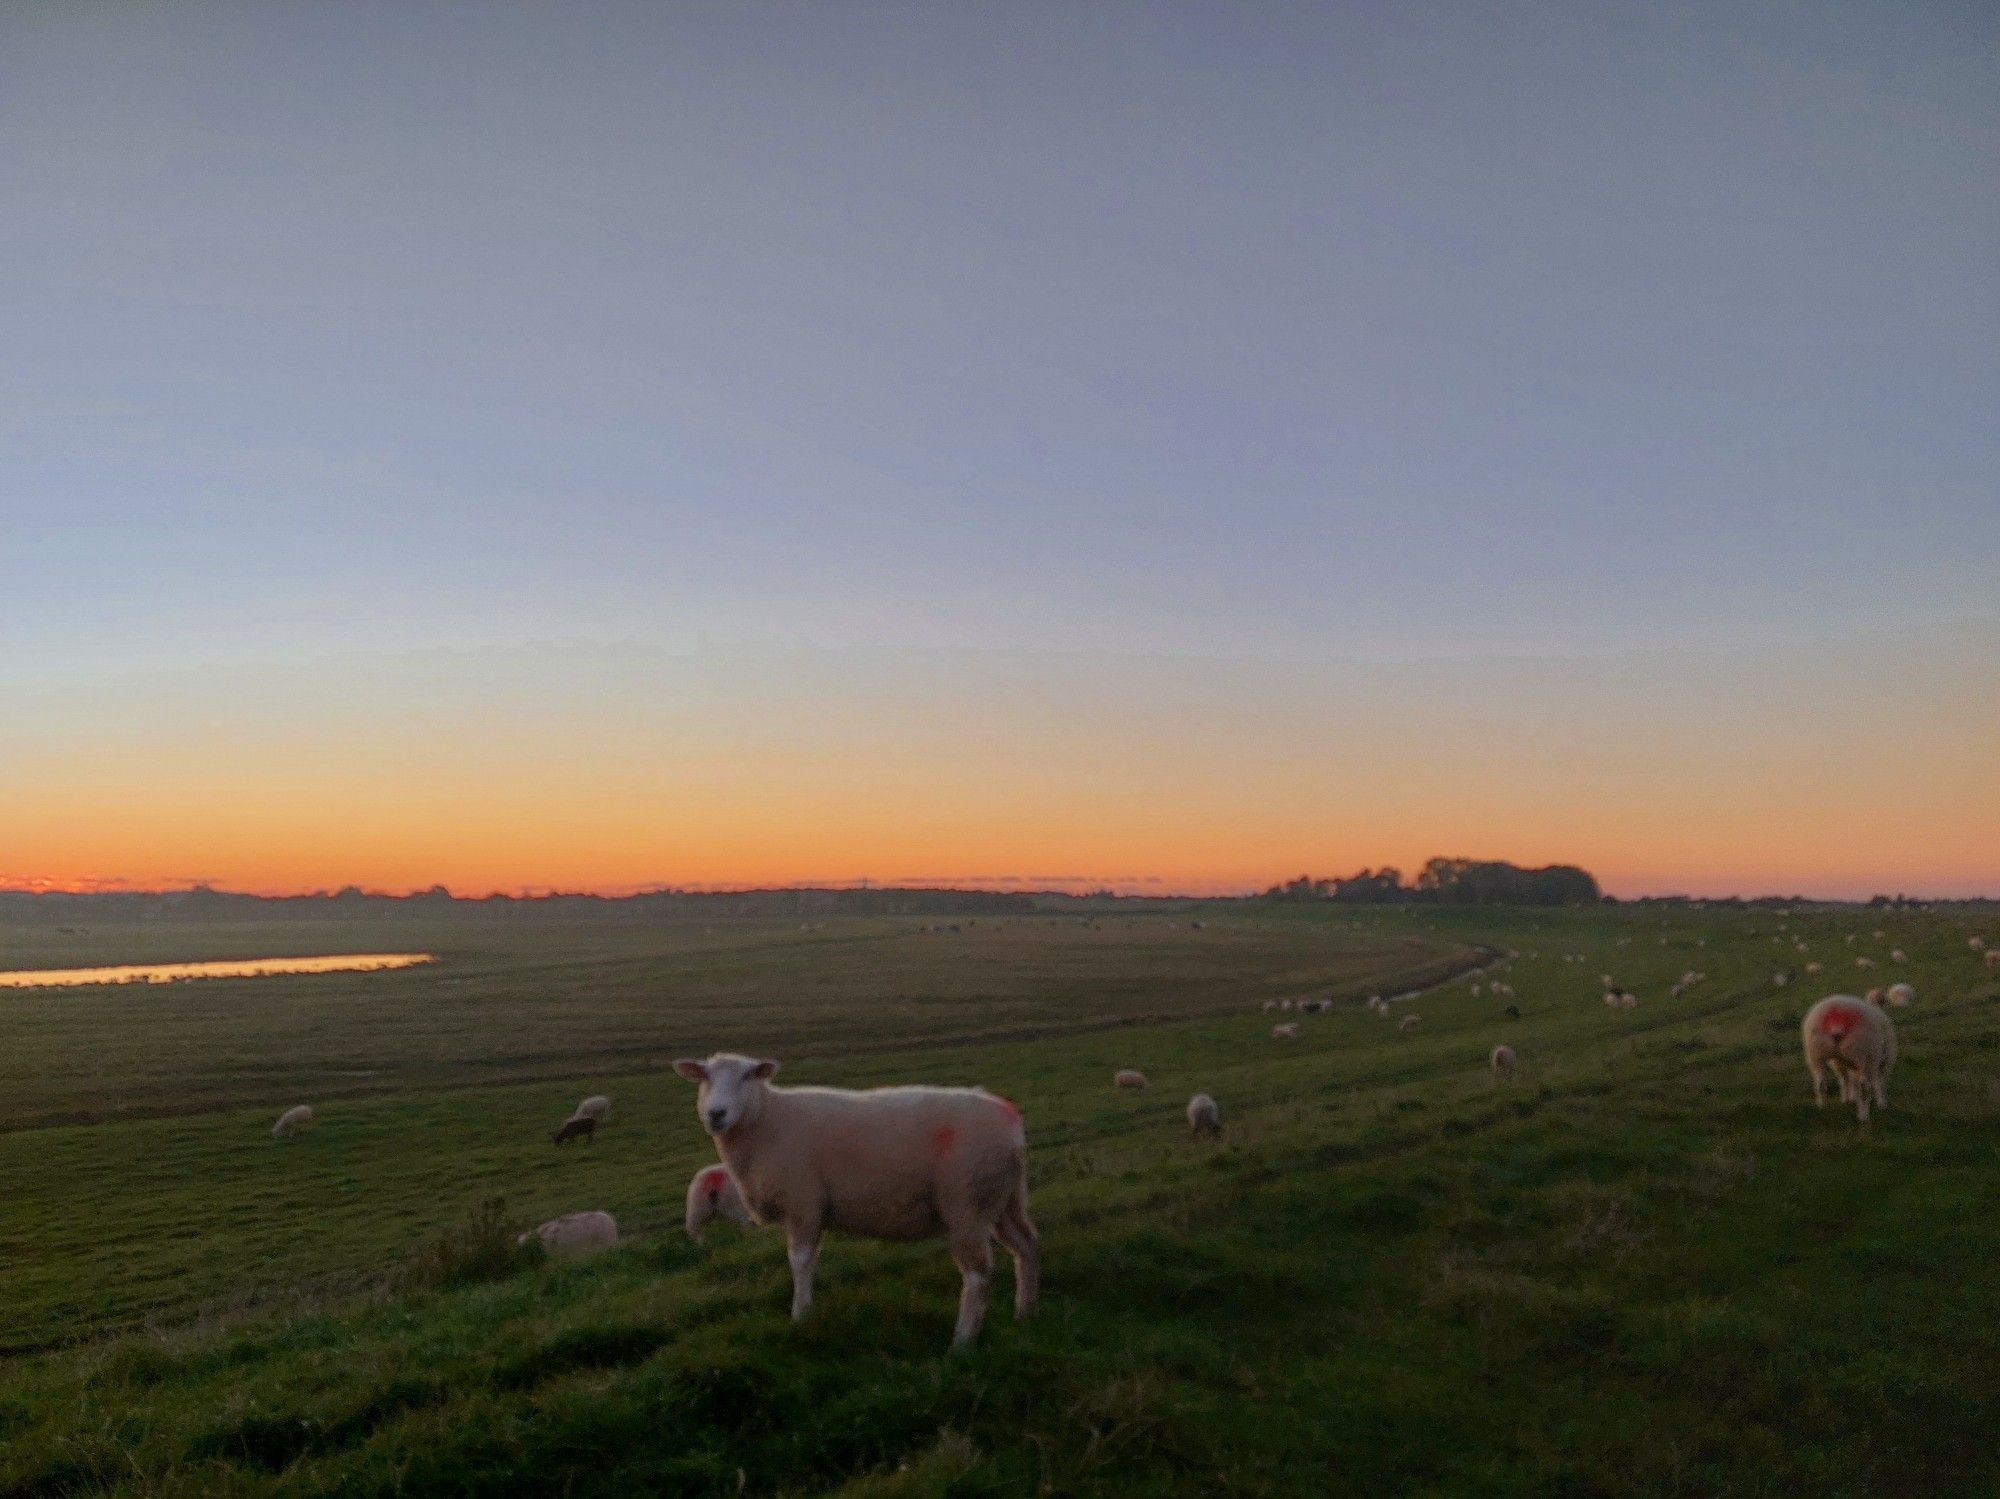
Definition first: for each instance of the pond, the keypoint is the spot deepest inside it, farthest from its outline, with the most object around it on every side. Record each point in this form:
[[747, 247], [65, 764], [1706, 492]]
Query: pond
[[235, 968]]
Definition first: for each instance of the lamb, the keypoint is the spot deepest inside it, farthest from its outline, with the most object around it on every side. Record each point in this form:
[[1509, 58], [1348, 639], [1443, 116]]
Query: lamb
[[1126, 1077], [1502, 1062], [1857, 1042], [1409, 1022], [1286, 1032], [1203, 1117], [1902, 995], [597, 1107], [579, 1127], [712, 1194], [891, 1163], [576, 1234], [292, 1120]]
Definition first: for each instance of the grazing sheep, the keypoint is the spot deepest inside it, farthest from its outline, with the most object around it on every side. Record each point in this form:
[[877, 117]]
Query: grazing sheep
[[597, 1107], [1409, 1022], [576, 1233], [1127, 1077], [1977, 944], [891, 1163], [1286, 1032], [712, 1194], [1993, 957], [1610, 1000], [1270, 1004], [1779, 980], [1502, 1062], [1857, 1042], [1874, 996], [1203, 1117], [1897, 955], [1902, 995], [1864, 962], [292, 1119], [1814, 967], [581, 1127]]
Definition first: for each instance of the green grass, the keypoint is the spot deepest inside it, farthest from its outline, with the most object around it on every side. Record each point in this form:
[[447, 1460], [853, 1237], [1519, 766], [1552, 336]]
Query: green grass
[[1647, 1266]]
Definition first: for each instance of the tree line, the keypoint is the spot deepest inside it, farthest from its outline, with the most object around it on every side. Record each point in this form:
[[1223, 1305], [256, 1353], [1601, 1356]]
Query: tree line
[[1452, 882]]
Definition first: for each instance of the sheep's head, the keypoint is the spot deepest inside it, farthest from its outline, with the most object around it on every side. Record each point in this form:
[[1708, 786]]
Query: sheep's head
[[731, 1089]]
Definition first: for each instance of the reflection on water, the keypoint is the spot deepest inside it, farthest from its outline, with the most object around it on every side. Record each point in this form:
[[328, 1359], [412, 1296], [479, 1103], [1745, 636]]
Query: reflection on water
[[244, 968]]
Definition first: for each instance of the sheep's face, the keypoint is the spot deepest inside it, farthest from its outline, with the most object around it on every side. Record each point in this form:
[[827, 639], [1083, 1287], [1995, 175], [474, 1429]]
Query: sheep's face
[[731, 1089]]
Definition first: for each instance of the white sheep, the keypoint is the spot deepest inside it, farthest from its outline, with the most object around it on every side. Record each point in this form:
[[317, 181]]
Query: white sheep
[[891, 1163], [1814, 967], [1502, 1062], [1409, 1022], [1857, 1041], [1977, 944], [1902, 995], [597, 1107], [1779, 980], [291, 1120], [1993, 957], [1203, 1117], [1287, 1032], [1270, 1004], [713, 1194], [576, 1234], [1864, 962], [1897, 955], [1127, 1077]]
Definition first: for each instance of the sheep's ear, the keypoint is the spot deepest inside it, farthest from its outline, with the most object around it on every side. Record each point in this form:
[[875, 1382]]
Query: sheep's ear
[[693, 1071], [764, 1069]]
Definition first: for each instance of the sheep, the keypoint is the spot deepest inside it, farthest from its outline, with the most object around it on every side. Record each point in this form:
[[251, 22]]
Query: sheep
[[580, 1127], [1814, 967], [576, 1234], [1779, 980], [1864, 962], [597, 1107], [1409, 1022], [1977, 944], [713, 1193], [1203, 1117], [1286, 1032], [1874, 996], [1857, 1042], [891, 1163], [1270, 1004], [1127, 1077], [1502, 1062], [1897, 955], [1902, 995], [291, 1120]]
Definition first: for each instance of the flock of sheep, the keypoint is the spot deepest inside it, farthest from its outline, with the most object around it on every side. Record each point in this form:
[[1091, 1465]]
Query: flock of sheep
[[929, 1162]]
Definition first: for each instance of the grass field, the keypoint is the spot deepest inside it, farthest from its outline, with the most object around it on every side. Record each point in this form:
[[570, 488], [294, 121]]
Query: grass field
[[1646, 1266]]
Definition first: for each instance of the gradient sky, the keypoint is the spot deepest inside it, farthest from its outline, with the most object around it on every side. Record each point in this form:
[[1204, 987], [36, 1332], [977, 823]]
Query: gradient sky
[[1181, 445]]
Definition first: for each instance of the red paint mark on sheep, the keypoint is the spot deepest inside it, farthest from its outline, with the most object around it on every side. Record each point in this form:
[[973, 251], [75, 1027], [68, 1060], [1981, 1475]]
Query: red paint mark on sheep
[[1839, 1020], [713, 1178], [943, 1140]]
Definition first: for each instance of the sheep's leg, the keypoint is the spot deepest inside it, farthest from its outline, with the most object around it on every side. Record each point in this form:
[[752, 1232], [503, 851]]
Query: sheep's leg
[[1881, 1090], [1018, 1235], [974, 1256], [803, 1251], [1818, 1073]]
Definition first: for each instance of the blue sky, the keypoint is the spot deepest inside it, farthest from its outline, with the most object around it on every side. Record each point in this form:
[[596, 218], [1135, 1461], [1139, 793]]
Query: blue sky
[[1318, 333]]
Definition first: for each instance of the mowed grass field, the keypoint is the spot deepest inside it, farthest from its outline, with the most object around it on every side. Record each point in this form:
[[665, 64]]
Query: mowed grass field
[[1648, 1265]]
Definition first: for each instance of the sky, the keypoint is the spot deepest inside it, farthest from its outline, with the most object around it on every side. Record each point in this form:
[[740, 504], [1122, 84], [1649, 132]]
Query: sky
[[1175, 446]]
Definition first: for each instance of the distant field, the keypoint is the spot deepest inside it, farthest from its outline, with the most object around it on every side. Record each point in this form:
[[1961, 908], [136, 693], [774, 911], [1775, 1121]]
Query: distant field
[[1647, 1266]]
